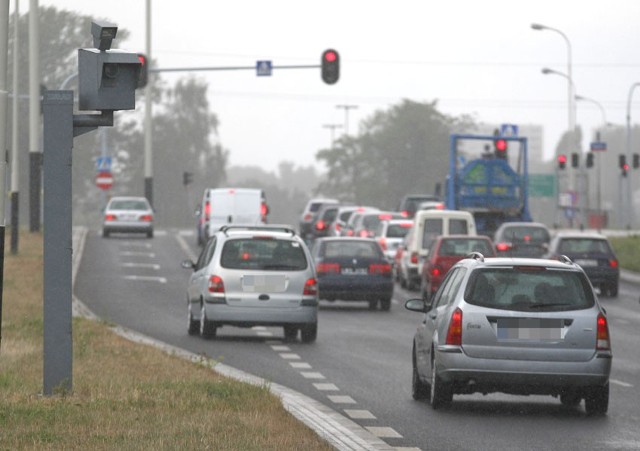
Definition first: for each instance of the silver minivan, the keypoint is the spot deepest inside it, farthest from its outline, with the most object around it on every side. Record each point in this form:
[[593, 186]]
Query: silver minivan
[[250, 276]]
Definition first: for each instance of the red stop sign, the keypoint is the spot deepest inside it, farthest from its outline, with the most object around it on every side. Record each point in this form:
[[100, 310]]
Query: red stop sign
[[104, 180]]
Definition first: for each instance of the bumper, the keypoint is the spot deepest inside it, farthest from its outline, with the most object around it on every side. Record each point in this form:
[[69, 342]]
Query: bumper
[[127, 227], [223, 314], [352, 289]]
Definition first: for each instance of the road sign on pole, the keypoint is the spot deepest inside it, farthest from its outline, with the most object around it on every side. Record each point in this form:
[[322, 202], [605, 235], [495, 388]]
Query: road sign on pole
[[103, 164], [104, 180], [263, 68]]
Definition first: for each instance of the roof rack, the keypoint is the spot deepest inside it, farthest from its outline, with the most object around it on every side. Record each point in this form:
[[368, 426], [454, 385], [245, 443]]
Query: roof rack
[[265, 227], [564, 259], [476, 256]]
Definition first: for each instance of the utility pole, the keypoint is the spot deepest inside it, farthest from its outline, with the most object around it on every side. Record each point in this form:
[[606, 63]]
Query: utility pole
[[35, 156], [15, 186], [332, 127], [148, 135], [346, 116], [4, 97]]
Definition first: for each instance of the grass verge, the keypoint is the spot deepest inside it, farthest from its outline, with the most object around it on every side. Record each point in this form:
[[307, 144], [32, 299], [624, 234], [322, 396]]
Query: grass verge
[[125, 395], [627, 250]]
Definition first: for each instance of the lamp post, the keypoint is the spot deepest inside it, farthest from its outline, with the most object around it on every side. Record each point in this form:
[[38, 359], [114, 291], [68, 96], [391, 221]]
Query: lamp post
[[332, 127], [605, 124], [346, 116], [629, 203], [572, 127]]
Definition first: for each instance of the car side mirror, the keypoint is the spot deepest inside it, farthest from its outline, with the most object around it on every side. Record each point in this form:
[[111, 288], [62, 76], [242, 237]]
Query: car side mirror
[[417, 305], [188, 264]]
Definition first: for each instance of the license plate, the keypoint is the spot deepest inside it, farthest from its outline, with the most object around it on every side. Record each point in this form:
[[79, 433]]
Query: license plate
[[586, 262], [264, 283], [539, 329], [354, 271]]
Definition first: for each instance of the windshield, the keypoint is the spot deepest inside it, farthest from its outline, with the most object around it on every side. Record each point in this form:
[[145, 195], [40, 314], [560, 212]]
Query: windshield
[[266, 254]]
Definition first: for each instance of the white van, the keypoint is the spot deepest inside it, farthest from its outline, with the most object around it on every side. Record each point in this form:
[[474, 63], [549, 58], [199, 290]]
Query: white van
[[427, 226], [221, 206]]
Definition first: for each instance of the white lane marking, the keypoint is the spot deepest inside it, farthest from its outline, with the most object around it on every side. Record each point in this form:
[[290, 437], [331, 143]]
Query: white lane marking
[[381, 432], [185, 247], [280, 348], [147, 278], [620, 383], [323, 386], [406, 448], [341, 399], [187, 233], [145, 245], [312, 375], [141, 265], [300, 365], [290, 356], [264, 333], [138, 254], [357, 414]]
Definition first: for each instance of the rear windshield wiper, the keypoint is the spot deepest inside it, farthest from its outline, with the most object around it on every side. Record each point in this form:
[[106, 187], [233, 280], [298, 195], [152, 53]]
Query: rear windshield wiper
[[541, 305]]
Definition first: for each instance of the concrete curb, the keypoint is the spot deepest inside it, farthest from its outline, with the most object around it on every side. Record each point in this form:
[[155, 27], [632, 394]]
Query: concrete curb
[[339, 431]]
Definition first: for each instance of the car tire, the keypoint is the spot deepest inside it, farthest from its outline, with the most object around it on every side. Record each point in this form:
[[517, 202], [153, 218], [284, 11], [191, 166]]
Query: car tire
[[309, 333], [441, 393], [193, 326], [419, 389], [150, 234], [612, 291], [596, 402], [105, 233], [207, 328], [385, 304], [290, 333]]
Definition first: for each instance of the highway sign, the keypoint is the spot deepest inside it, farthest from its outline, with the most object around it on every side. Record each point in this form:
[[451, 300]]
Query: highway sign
[[104, 180], [103, 164], [508, 130], [598, 146], [542, 185]]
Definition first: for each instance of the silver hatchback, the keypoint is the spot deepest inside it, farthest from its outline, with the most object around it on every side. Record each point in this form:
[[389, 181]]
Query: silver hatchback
[[128, 214], [250, 276], [513, 325]]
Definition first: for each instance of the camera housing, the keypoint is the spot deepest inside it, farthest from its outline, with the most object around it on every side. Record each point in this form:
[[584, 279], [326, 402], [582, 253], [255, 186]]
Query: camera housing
[[107, 79]]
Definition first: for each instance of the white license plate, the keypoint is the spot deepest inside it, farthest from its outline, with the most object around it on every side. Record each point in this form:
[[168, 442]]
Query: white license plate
[[586, 262], [350, 271], [264, 283], [530, 329]]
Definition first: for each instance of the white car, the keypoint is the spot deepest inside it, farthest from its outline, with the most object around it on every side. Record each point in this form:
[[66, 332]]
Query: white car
[[126, 214]]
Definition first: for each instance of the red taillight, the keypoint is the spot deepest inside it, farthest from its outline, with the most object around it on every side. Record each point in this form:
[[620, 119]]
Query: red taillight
[[328, 268], [320, 225], [435, 271], [349, 232], [603, 343], [383, 243], [307, 217], [454, 334], [310, 287], [146, 218], [216, 285], [110, 217], [613, 263], [380, 268], [527, 238], [414, 258], [502, 247], [440, 207], [338, 227], [207, 210], [363, 234], [264, 209], [405, 213]]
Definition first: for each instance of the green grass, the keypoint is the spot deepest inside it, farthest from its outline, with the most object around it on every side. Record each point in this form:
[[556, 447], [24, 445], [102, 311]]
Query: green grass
[[627, 250], [125, 396]]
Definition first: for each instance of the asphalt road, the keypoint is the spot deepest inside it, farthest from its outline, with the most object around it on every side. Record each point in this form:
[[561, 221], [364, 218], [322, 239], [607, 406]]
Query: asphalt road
[[360, 365]]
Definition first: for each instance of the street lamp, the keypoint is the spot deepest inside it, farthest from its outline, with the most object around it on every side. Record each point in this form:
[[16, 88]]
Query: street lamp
[[629, 203], [332, 127], [570, 87], [346, 116]]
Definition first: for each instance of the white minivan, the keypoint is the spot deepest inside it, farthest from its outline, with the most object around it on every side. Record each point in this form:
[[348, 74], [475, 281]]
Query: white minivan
[[222, 206], [427, 226]]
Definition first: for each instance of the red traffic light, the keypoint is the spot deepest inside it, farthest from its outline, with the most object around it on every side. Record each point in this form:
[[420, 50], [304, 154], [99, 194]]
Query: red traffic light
[[330, 56], [330, 66], [143, 76], [562, 161], [500, 145]]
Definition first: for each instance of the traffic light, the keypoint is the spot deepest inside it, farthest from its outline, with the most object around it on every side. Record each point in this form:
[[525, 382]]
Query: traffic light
[[636, 161], [562, 161], [622, 162], [575, 160], [590, 160], [500, 147], [187, 178], [330, 66], [143, 78]]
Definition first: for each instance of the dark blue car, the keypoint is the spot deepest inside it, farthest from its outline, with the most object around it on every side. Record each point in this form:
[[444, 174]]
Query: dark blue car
[[353, 269]]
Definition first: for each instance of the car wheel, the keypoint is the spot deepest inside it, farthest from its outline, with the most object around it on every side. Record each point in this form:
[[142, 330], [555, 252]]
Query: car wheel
[[373, 304], [403, 281], [207, 329], [309, 333], [441, 393], [385, 304], [105, 233], [193, 326], [150, 234], [613, 290], [419, 390], [290, 333], [596, 402]]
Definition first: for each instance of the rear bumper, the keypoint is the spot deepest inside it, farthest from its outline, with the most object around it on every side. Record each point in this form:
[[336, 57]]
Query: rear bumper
[[355, 290], [223, 314], [127, 227]]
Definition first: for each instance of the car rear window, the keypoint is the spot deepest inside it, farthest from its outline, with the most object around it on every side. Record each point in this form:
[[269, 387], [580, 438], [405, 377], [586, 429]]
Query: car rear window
[[457, 247], [532, 289], [535, 234], [263, 254], [342, 248], [128, 205], [584, 245], [398, 230]]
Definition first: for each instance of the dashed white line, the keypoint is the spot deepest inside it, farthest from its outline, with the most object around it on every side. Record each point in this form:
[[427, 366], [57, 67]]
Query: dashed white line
[[138, 254], [359, 414], [141, 265], [620, 383], [289, 356], [341, 399], [300, 365], [147, 278], [323, 386], [280, 348], [312, 375]]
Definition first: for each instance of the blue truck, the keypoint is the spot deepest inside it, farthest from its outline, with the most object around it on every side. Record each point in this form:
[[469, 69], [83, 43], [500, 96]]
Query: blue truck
[[493, 184]]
